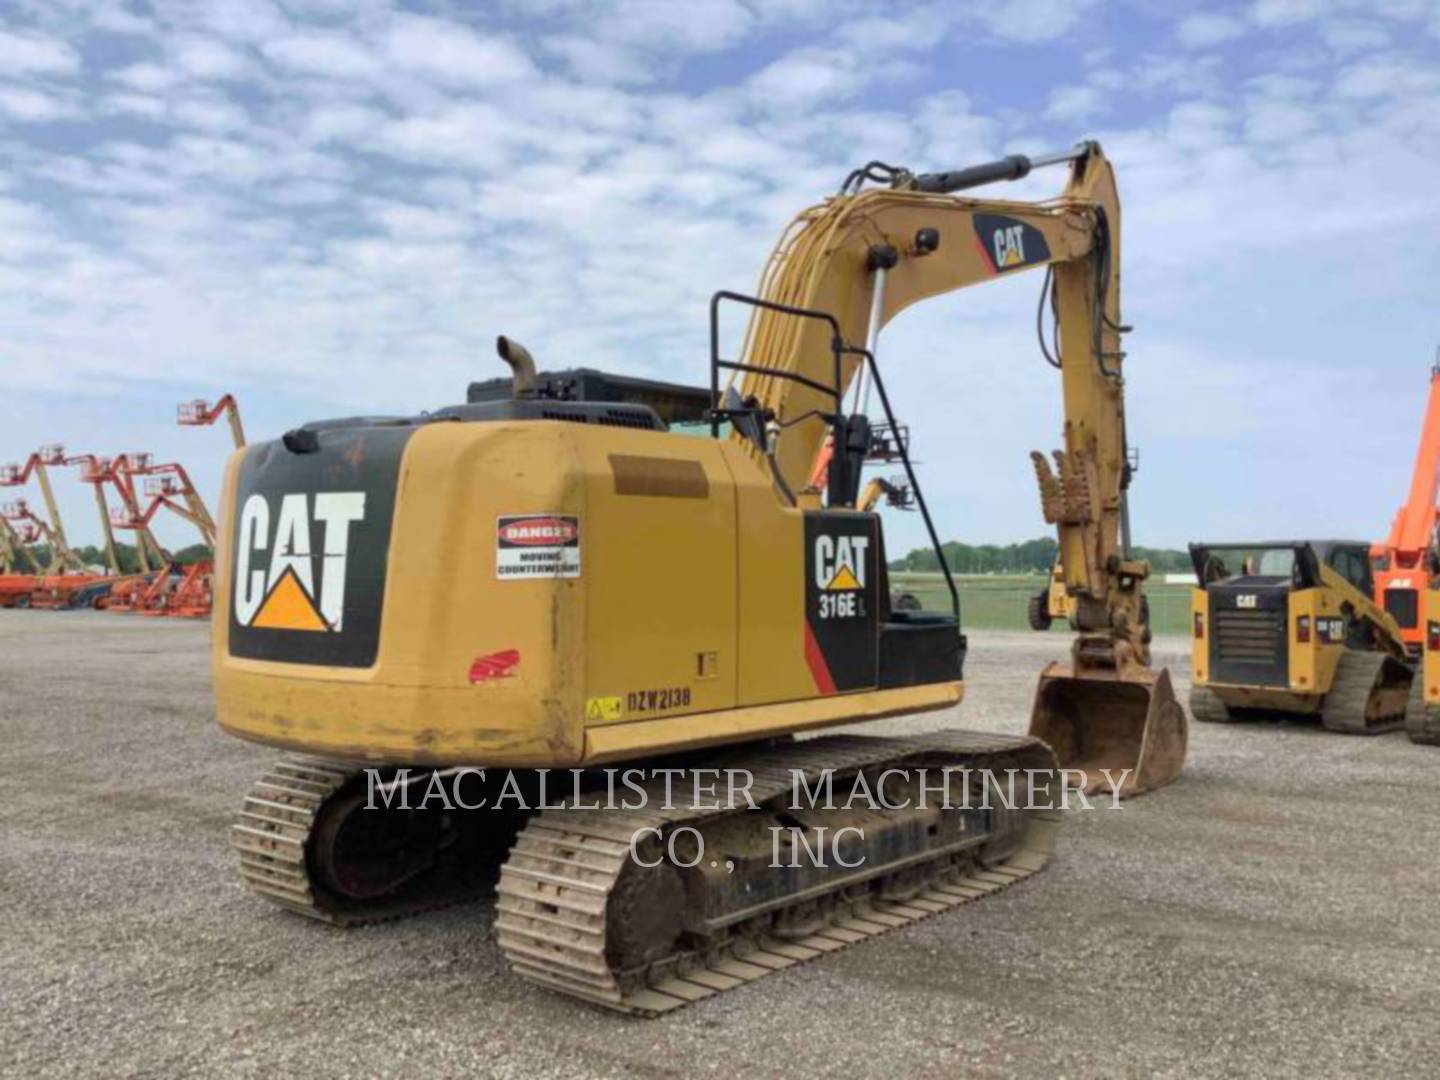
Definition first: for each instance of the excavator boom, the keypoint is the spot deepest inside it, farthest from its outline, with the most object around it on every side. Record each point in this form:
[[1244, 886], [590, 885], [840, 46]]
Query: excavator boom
[[863, 258]]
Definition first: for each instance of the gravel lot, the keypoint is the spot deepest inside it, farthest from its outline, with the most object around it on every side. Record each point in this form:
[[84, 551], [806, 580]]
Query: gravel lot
[[1275, 912]]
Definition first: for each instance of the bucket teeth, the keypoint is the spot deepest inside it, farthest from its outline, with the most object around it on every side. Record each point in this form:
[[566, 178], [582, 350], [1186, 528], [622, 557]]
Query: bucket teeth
[[1065, 492]]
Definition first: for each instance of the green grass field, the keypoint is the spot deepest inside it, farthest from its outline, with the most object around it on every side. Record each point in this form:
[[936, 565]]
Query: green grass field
[[993, 602]]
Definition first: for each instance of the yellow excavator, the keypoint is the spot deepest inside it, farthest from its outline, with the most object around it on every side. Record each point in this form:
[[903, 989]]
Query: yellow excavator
[[460, 603]]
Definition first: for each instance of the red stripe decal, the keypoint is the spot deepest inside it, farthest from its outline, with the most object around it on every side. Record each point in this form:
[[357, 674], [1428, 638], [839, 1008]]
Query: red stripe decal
[[819, 670], [984, 252]]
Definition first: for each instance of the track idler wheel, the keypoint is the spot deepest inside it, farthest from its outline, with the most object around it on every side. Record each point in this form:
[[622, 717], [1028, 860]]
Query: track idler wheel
[[361, 854], [1104, 723]]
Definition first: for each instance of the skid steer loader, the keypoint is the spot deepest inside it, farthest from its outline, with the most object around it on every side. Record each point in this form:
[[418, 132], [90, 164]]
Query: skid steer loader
[[1289, 627]]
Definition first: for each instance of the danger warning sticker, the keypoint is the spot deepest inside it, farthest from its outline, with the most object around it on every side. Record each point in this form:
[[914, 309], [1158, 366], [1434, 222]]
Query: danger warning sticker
[[537, 546]]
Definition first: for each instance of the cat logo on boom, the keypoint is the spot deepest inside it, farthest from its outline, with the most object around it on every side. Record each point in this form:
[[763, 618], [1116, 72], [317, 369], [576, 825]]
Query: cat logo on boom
[[301, 585], [1009, 246], [840, 575], [1008, 243]]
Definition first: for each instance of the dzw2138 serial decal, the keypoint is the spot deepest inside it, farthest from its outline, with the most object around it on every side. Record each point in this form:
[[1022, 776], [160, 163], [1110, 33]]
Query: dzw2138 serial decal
[[309, 547]]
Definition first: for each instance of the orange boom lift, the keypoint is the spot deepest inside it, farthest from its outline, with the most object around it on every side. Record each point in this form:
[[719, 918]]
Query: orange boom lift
[[1403, 564], [168, 485], [37, 464]]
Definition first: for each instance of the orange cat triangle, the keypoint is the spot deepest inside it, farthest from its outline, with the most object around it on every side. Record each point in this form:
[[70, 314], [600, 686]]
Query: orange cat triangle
[[289, 607]]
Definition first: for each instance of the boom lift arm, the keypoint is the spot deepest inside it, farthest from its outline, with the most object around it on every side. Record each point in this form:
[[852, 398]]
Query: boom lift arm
[[201, 413], [94, 471], [865, 257], [61, 557], [1412, 533]]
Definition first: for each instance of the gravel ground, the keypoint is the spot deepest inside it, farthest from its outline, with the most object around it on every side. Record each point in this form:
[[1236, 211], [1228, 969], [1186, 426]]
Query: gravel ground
[[1273, 913]]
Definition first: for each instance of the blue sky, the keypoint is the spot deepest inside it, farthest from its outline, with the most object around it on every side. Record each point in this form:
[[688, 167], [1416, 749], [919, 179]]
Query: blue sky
[[332, 207]]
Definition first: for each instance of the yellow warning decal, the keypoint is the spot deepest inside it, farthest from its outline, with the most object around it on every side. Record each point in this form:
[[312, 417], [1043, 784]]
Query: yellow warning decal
[[289, 607], [600, 709], [844, 579]]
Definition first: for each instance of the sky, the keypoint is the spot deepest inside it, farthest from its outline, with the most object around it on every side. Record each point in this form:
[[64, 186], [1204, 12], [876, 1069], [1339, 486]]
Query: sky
[[332, 207]]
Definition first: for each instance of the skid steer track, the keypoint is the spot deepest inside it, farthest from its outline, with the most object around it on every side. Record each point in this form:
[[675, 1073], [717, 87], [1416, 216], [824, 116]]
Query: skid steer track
[[1206, 706], [567, 900], [1368, 695], [1422, 722]]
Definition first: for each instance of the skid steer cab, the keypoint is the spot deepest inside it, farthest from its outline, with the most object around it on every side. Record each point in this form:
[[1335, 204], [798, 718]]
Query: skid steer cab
[[1289, 627]]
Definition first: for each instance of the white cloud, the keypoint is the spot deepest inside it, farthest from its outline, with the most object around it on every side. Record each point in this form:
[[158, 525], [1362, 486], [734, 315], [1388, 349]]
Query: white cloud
[[1384, 77], [207, 58], [452, 53], [1202, 30], [146, 77], [33, 106], [327, 54], [1072, 103], [210, 114], [1273, 121], [1286, 12], [1033, 20], [372, 184], [694, 26], [22, 53], [804, 78]]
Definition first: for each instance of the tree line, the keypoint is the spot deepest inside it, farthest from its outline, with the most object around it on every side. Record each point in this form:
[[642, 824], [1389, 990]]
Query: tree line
[[126, 554], [1030, 557]]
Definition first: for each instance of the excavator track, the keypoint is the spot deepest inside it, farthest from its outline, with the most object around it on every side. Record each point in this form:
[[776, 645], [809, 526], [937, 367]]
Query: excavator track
[[1206, 706], [1422, 721], [1368, 695], [285, 837], [574, 909]]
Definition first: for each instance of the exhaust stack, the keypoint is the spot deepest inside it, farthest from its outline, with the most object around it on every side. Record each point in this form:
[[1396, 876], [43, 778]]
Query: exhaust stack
[[522, 364]]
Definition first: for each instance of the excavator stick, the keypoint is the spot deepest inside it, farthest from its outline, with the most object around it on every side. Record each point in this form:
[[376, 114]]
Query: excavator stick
[[1125, 730]]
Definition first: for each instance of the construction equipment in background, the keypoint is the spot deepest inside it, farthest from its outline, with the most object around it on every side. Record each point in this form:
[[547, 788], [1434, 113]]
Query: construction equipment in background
[[124, 469], [193, 596], [1422, 711], [55, 586], [132, 592], [32, 530], [547, 582], [1290, 627], [1051, 602], [38, 465], [1406, 561], [174, 590], [201, 413], [20, 569], [15, 555], [97, 473]]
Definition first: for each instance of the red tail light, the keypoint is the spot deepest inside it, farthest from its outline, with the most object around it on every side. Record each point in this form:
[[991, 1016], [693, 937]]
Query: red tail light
[[1302, 629], [1199, 626], [1432, 636]]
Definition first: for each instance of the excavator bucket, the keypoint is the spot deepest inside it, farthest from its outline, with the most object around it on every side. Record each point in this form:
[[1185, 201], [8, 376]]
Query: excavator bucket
[[1105, 723]]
